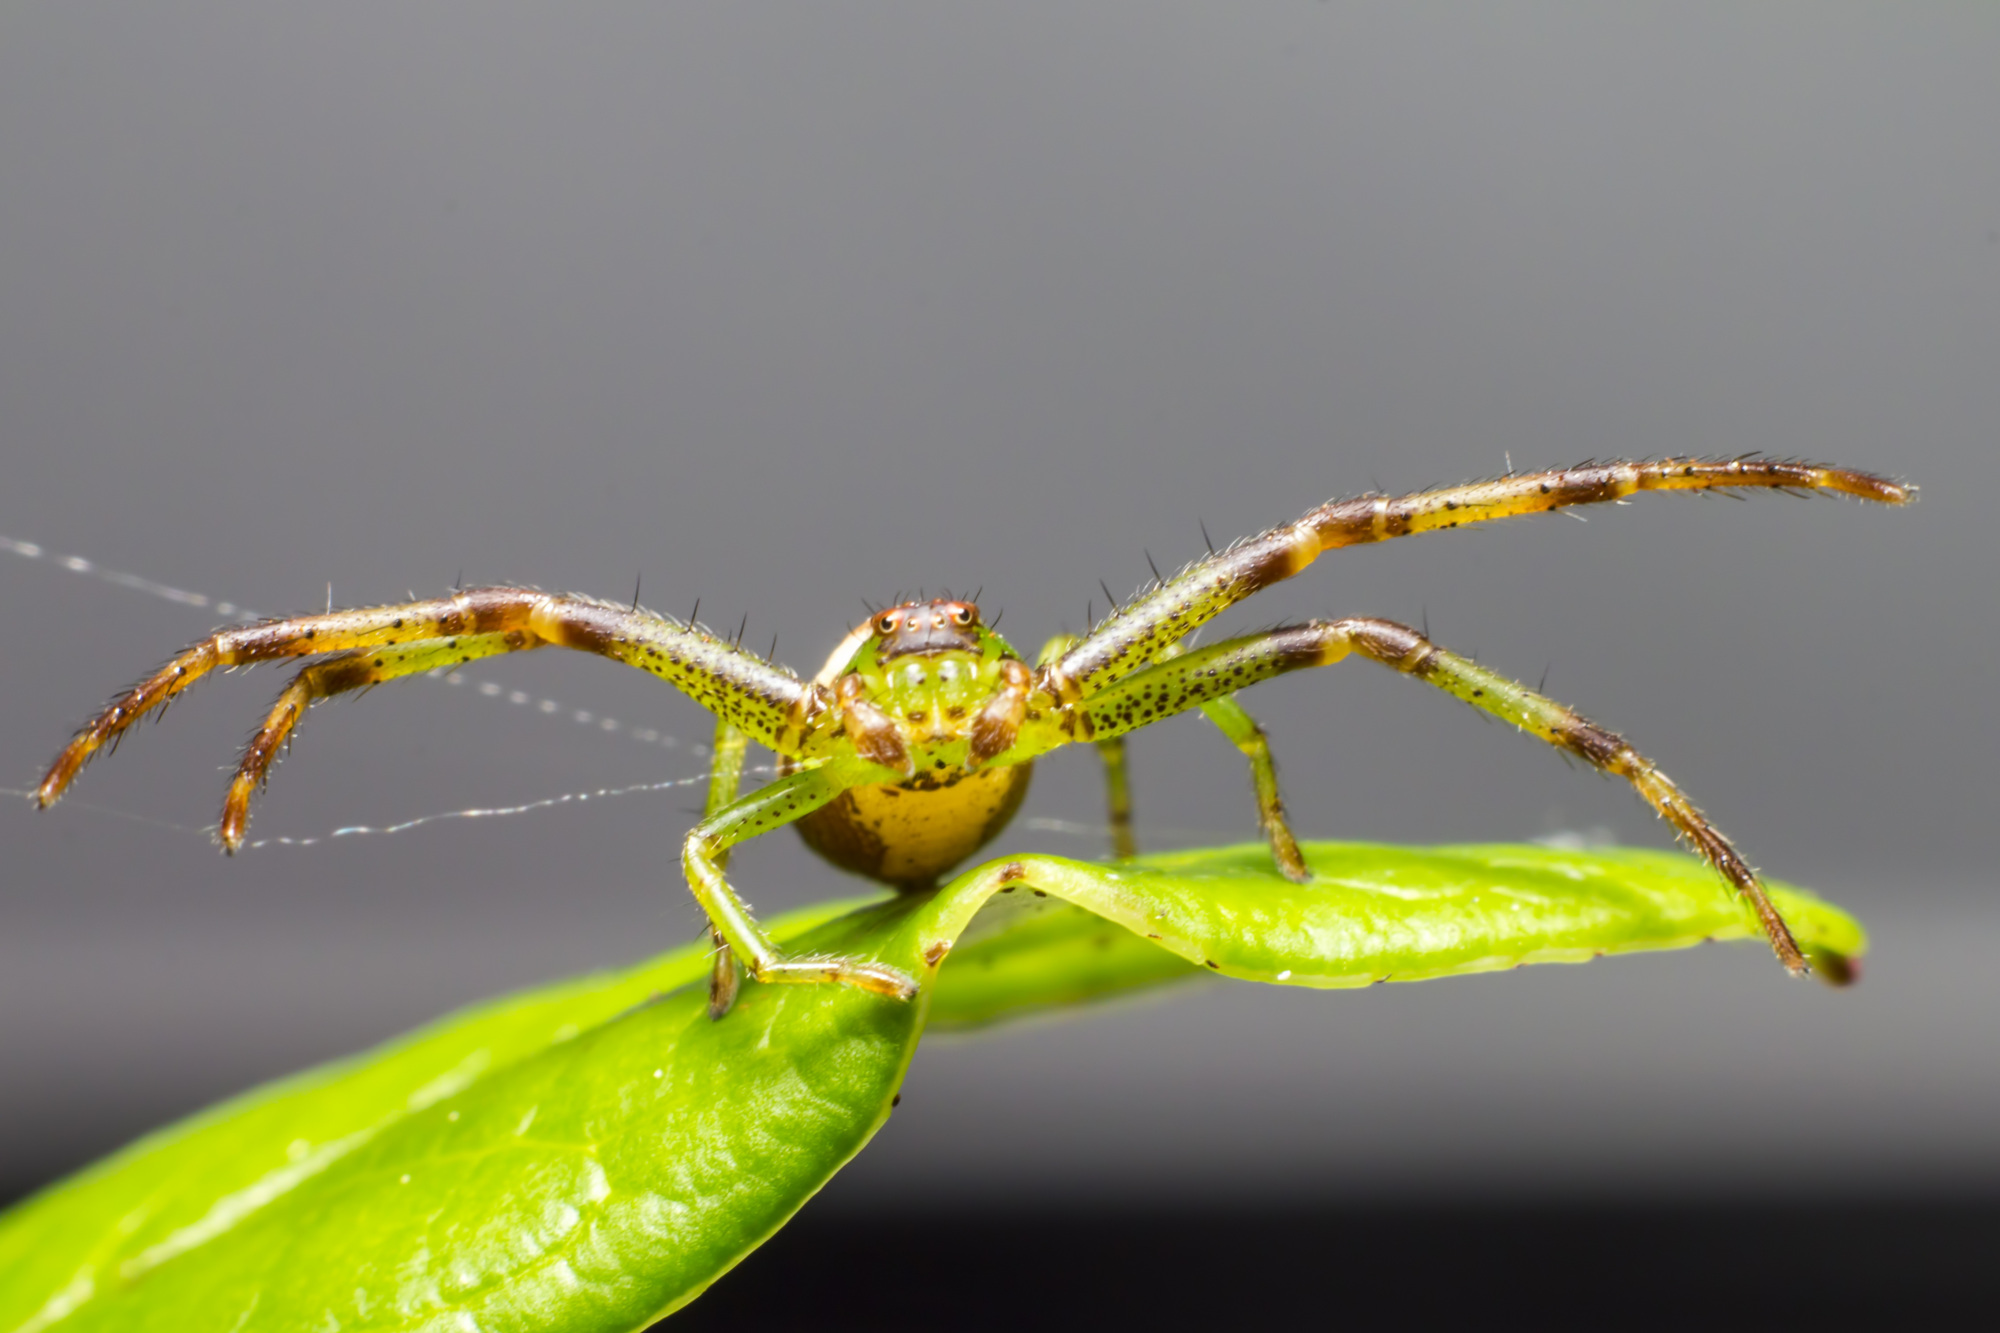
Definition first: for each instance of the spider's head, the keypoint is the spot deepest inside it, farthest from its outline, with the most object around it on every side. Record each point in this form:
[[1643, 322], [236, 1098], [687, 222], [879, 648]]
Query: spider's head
[[916, 632], [933, 664], [925, 629]]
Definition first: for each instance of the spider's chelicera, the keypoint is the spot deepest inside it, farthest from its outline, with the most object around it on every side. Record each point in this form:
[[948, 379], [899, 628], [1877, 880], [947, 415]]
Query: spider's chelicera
[[912, 747]]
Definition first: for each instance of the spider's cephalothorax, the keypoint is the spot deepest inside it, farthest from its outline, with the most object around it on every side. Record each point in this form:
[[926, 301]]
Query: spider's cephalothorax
[[933, 693], [911, 748]]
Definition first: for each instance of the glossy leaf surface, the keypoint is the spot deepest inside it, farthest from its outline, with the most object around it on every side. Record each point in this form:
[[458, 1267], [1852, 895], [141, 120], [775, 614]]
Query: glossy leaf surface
[[590, 1155]]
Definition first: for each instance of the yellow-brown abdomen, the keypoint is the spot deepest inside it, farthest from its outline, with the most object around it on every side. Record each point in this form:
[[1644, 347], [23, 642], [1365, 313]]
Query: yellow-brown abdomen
[[908, 834]]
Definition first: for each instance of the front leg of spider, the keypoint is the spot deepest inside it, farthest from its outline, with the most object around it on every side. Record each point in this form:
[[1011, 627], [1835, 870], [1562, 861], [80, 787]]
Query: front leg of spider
[[753, 700], [1129, 671]]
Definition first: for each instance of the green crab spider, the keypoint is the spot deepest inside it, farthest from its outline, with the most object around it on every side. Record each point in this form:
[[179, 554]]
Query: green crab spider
[[912, 747]]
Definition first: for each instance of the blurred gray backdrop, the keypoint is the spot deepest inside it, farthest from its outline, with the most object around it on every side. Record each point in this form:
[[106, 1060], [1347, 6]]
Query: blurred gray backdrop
[[783, 307]]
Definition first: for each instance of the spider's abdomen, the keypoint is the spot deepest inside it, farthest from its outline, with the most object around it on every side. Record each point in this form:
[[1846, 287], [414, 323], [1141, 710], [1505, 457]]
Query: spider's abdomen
[[908, 834]]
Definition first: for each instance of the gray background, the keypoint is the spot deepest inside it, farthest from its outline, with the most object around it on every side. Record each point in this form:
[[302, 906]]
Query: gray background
[[789, 307]]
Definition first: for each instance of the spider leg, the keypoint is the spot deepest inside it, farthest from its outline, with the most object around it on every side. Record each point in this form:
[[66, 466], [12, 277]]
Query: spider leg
[[725, 772], [352, 670], [771, 705], [725, 777], [768, 808], [1117, 782], [752, 700], [1210, 673], [1235, 722], [1242, 729], [1118, 798], [1138, 633]]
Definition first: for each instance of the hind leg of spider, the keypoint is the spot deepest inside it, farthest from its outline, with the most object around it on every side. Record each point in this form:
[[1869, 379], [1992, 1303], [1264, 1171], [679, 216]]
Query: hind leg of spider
[[1117, 774], [1235, 722], [771, 807], [1212, 672], [355, 670], [1118, 798]]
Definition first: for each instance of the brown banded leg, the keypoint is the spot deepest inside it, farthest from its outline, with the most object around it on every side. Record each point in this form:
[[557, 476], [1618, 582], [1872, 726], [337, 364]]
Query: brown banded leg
[[768, 703], [1141, 632], [725, 777], [1214, 672], [474, 613], [355, 670], [1407, 651]]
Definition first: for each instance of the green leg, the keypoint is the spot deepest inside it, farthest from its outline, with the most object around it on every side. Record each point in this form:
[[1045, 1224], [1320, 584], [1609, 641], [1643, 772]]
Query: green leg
[[1117, 783], [725, 776], [771, 807], [1242, 729], [1235, 722], [1118, 798], [1243, 732], [725, 770]]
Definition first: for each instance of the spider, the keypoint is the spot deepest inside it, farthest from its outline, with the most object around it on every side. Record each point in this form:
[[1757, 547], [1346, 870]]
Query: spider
[[913, 745]]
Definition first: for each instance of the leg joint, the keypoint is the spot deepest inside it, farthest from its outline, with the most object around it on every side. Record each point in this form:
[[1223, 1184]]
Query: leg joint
[[1603, 749], [1391, 644]]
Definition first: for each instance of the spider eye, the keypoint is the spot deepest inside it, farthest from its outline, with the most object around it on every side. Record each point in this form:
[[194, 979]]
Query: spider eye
[[886, 625], [963, 615]]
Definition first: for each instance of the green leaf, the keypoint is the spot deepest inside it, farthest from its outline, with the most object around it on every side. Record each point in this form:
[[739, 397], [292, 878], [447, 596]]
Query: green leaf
[[591, 1155]]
